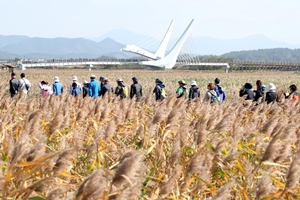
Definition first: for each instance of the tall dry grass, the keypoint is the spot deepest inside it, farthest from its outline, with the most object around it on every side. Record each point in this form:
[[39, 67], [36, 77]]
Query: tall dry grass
[[107, 148]]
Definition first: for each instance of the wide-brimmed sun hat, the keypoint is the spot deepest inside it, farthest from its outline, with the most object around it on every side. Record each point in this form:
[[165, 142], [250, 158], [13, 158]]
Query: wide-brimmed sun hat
[[193, 83], [56, 79], [272, 86], [182, 82], [74, 78]]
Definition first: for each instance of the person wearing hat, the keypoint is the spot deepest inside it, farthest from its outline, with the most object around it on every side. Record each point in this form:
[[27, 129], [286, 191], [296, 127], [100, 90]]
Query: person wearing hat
[[94, 87], [219, 90], [57, 86], [260, 91], [159, 90], [85, 89], [24, 85], [13, 85], [78, 85], [136, 89], [194, 91], [101, 79], [271, 95], [182, 90], [121, 89], [246, 90], [106, 88]]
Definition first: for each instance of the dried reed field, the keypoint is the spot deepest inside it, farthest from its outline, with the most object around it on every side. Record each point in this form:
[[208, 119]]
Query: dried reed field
[[106, 148]]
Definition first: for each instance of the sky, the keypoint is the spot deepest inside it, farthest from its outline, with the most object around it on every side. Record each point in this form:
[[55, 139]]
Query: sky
[[220, 19]]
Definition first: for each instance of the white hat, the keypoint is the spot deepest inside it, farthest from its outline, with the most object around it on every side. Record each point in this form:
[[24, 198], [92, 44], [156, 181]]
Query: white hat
[[85, 82], [193, 83], [56, 79], [74, 78], [272, 86], [119, 80], [93, 76]]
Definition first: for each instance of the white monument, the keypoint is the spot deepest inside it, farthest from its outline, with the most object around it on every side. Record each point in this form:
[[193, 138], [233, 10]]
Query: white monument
[[159, 59]]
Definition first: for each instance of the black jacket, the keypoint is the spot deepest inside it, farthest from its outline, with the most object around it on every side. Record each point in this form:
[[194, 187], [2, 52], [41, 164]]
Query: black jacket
[[194, 92], [259, 93], [13, 86], [85, 91], [271, 97], [136, 89], [119, 90], [249, 93]]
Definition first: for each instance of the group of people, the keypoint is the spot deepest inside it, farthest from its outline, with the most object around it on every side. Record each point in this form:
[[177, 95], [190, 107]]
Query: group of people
[[215, 93], [264, 94], [93, 88], [16, 86]]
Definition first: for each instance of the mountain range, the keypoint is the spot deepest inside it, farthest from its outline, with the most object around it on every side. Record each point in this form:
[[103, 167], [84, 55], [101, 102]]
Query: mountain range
[[109, 44]]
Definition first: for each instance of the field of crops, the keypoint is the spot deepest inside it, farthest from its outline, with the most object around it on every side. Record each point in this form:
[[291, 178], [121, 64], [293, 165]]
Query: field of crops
[[106, 148]]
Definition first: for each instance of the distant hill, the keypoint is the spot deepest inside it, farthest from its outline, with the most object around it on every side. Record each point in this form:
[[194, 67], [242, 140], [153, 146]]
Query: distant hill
[[49, 48], [203, 45], [32, 48], [267, 55]]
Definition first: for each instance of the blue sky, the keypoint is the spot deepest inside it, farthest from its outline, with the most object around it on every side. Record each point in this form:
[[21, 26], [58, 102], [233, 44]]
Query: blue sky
[[221, 19]]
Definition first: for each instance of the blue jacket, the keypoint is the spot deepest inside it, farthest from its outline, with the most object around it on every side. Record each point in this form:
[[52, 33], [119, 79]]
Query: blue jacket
[[75, 91], [57, 88], [94, 88], [157, 91], [220, 92]]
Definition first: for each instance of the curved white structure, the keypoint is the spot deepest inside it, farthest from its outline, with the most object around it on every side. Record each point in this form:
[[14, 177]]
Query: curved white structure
[[169, 61], [160, 52]]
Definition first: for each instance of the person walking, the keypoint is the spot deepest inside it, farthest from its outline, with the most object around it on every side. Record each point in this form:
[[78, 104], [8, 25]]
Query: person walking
[[75, 91], [246, 91], [136, 89], [24, 85], [57, 86], [121, 89], [94, 87], [85, 89], [271, 95], [219, 90], [211, 95], [13, 85], [45, 89], [182, 90], [101, 79], [75, 80], [106, 88], [194, 91], [260, 91], [159, 90]]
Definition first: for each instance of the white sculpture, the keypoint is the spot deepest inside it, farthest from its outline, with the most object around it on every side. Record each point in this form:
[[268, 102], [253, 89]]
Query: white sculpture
[[159, 59]]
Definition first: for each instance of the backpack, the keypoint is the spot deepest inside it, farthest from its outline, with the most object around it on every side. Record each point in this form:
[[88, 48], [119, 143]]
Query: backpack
[[125, 91], [295, 96], [27, 85], [214, 98], [220, 92], [162, 92]]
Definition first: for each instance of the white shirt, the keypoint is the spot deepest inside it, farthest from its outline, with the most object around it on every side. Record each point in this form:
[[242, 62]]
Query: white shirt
[[22, 83]]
